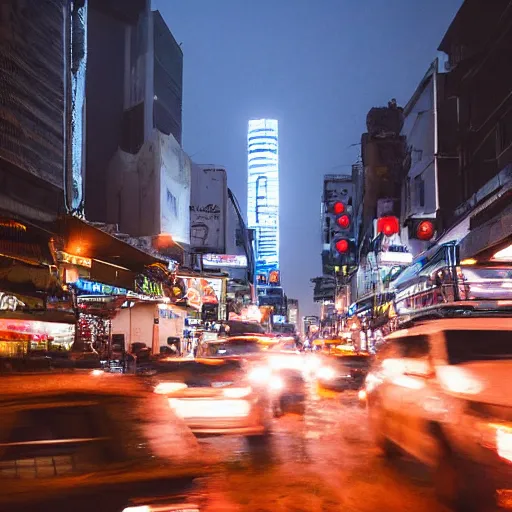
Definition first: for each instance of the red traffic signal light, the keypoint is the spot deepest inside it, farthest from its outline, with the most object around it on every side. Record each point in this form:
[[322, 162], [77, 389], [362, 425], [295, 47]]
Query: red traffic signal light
[[343, 221], [342, 246], [338, 208], [388, 226], [425, 230]]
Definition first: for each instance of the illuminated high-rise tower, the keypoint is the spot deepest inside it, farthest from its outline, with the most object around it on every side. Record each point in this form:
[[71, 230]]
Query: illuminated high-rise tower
[[263, 192]]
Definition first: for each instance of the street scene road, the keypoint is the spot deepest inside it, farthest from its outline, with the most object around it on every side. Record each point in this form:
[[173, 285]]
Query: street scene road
[[324, 461]]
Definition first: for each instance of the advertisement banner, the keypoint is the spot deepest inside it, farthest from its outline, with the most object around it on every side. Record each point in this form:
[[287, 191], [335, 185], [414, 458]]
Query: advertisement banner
[[208, 209], [225, 260], [175, 187], [201, 291]]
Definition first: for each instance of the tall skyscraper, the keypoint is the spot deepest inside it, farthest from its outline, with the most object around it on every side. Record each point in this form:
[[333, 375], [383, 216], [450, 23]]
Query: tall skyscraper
[[263, 192]]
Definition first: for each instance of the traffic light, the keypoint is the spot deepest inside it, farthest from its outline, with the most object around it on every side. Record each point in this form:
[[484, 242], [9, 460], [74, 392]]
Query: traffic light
[[388, 225], [344, 251], [342, 246], [342, 216], [338, 208], [343, 221], [422, 229]]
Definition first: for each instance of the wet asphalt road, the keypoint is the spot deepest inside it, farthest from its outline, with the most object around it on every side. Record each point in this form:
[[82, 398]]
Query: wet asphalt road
[[321, 462]]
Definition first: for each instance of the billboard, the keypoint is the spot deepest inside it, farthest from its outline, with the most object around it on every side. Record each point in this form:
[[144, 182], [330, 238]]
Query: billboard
[[175, 186], [208, 209], [263, 192], [225, 260], [200, 291]]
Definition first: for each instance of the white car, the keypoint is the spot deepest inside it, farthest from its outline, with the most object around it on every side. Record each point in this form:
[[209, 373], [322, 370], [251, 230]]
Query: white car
[[441, 391]]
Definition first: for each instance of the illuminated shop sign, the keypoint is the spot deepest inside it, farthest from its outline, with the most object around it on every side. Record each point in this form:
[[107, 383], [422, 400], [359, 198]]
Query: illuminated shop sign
[[9, 302], [94, 288], [148, 287], [64, 257], [394, 258], [224, 260]]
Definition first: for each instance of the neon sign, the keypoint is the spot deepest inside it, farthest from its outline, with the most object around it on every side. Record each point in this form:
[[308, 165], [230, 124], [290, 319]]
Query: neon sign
[[94, 288], [65, 257], [147, 287]]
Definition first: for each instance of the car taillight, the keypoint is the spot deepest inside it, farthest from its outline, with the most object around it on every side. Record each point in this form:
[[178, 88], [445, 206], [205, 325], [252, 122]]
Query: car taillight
[[163, 508]]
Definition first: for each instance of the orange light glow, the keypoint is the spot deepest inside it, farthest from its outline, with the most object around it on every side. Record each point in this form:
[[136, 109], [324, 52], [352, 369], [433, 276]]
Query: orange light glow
[[12, 224], [504, 441], [210, 408]]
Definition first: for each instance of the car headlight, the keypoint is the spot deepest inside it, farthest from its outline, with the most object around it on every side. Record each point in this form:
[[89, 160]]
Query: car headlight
[[164, 388], [326, 373], [459, 381], [276, 384], [237, 392], [260, 375], [504, 441]]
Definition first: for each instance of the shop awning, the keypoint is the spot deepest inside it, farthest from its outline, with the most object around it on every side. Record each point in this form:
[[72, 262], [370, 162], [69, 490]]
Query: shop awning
[[83, 239], [25, 242]]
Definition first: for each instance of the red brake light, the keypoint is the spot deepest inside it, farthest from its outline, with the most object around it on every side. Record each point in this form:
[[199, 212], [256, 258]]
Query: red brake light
[[338, 208], [425, 230], [343, 221], [388, 225], [341, 246]]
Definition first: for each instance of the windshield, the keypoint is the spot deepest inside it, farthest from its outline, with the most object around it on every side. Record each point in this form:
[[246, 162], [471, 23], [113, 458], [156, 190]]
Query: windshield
[[353, 361], [467, 346], [284, 346], [236, 328], [233, 348], [284, 328]]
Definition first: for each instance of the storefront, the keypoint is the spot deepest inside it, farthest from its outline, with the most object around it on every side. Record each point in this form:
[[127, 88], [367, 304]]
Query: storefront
[[97, 305], [36, 313]]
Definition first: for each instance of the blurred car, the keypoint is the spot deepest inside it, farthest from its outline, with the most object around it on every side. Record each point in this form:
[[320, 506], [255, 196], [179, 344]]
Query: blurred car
[[214, 395], [288, 364], [342, 371], [93, 441], [441, 392], [274, 368]]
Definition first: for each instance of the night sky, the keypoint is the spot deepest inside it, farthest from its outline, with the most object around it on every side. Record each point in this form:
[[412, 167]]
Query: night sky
[[317, 66]]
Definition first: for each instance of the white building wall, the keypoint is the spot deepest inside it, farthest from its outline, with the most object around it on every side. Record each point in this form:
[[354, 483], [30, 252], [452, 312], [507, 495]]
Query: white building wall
[[137, 323], [149, 192], [419, 186]]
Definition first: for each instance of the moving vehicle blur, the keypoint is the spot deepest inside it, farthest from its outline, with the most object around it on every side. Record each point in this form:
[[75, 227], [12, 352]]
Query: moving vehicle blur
[[440, 391], [213, 394], [93, 441], [287, 362], [274, 367], [342, 371]]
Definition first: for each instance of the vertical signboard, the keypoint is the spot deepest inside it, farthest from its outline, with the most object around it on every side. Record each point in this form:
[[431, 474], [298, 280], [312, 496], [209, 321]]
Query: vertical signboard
[[208, 209], [175, 188]]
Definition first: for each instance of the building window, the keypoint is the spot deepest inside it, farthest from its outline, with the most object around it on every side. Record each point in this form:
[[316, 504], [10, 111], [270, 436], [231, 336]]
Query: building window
[[419, 190]]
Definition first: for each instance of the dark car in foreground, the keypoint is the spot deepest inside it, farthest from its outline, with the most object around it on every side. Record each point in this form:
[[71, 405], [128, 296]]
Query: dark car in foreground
[[92, 441]]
